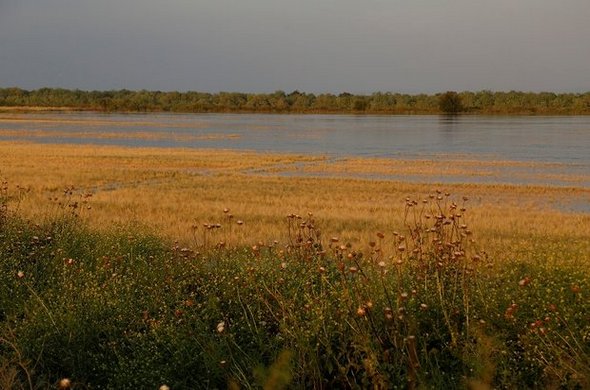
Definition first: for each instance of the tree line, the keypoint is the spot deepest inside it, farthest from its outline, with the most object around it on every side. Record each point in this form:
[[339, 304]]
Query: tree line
[[482, 102]]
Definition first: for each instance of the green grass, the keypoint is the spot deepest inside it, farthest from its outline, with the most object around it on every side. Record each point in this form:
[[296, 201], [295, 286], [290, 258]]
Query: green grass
[[426, 308]]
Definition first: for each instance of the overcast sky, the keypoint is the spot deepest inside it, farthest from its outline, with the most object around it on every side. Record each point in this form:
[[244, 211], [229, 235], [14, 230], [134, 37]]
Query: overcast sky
[[359, 46]]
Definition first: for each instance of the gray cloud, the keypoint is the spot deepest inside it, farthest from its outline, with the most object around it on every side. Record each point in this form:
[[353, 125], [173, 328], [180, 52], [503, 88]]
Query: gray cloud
[[316, 46]]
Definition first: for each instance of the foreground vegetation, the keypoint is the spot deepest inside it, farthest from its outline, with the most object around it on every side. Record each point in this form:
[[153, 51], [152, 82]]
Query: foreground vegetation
[[423, 306], [482, 102]]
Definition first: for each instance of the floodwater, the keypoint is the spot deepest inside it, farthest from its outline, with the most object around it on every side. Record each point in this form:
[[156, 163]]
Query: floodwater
[[560, 144]]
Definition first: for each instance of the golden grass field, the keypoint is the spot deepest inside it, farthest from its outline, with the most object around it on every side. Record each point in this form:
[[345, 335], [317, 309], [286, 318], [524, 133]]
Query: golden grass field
[[175, 191]]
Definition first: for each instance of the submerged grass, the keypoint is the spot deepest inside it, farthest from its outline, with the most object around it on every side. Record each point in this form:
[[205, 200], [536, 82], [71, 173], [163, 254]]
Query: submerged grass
[[424, 306]]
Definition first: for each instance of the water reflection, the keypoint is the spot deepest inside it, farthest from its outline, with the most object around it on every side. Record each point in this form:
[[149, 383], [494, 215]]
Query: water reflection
[[448, 123]]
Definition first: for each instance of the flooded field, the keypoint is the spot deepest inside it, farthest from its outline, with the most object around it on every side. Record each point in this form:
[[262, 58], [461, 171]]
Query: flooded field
[[509, 150]]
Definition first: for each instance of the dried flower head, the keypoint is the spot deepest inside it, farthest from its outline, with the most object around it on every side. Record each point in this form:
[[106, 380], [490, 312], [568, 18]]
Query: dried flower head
[[64, 383], [221, 327], [524, 282]]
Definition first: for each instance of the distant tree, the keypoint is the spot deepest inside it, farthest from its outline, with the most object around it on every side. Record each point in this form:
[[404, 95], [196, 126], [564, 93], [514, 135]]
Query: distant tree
[[450, 103], [359, 104], [467, 100], [325, 102], [382, 102], [302, 102], [483, 102]]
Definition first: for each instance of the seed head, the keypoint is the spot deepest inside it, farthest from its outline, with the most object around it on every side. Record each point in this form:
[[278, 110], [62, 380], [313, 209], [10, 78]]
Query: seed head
[[524, 282], [221, 327], [64, 383], [542, 331]]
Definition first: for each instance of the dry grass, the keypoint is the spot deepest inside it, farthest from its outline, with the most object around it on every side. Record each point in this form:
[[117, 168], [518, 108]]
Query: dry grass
[[89, 123], [19, 109], [176, 190], [144, 135]]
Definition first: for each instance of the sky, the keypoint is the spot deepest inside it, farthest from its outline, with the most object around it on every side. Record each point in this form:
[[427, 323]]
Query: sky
[[317, 46]]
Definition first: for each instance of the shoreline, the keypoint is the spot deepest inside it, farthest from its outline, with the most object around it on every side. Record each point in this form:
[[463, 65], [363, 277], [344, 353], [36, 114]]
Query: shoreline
[[492, 113]]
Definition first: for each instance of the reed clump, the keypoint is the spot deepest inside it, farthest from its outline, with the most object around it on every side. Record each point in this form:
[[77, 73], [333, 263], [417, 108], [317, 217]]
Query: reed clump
[[421, 306]]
